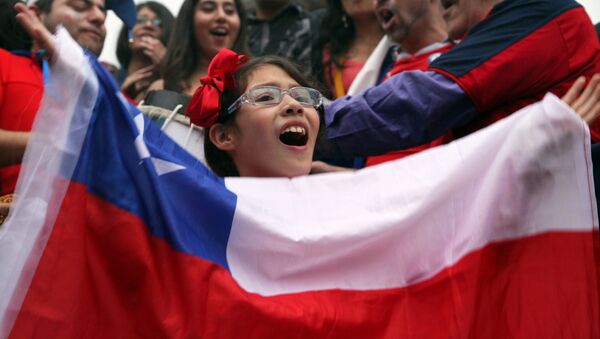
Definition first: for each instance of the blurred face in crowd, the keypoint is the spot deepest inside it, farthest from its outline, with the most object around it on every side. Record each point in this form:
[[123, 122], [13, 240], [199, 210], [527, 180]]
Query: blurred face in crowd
[[359, 8], [271, 4], [271, 141], [460, 15], [83, 19], [216, 24], [148, 24], [397, 17]]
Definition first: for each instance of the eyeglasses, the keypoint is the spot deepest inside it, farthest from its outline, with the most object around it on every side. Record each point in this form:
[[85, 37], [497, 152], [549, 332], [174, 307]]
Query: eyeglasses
[[141, 20], [271, 96]]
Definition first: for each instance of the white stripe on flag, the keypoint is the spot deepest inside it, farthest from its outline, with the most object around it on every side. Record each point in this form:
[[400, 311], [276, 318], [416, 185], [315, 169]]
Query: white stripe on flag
[[52, 153], [525, 175]]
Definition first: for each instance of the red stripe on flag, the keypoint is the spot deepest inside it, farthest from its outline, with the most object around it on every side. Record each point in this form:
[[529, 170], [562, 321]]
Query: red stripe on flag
[[103, 275]]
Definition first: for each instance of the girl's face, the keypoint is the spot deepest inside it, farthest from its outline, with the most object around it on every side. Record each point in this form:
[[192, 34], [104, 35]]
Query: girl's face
[[148, 24], [273, 141], [216, 25]]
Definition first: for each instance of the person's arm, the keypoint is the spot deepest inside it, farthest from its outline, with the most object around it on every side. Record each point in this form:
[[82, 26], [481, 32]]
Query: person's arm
[[12, 147], [407, 110]]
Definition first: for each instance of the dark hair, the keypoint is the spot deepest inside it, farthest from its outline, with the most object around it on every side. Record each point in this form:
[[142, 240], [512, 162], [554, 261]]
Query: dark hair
[[220, 161], [12, 35], [44, 5], [167, 20], [183, 52], [337, 35]]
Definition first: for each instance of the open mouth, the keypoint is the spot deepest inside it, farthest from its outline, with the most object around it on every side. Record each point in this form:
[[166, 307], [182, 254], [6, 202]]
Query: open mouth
[[294, 136], [219, 31], [448, 3]]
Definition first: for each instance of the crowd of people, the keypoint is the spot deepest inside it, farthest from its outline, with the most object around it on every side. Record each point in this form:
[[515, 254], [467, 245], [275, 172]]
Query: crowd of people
[[452, 68]]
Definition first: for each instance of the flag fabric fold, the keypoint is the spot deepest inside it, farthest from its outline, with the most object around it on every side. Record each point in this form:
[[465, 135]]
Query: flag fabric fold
[[117, 231]]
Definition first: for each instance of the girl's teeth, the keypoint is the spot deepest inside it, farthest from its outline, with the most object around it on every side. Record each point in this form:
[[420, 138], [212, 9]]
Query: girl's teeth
[[295, 129]]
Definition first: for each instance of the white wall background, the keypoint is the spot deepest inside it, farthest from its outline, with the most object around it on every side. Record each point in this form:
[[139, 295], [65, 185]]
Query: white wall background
[[113, 24]]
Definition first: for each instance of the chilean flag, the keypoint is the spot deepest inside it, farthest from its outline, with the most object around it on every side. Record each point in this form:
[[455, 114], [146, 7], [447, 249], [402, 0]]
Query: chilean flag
[[119, 233]]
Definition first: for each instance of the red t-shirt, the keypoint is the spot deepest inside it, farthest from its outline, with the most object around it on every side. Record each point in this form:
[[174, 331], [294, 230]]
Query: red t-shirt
[[407, 62], [21, 91], [349, 72]]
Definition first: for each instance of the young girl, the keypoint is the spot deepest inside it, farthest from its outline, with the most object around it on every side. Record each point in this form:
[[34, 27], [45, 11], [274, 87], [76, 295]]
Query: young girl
[[262, 120], [266, 122]]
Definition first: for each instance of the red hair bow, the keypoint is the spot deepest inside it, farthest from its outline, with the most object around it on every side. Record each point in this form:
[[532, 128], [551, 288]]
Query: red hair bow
[[205, 106]]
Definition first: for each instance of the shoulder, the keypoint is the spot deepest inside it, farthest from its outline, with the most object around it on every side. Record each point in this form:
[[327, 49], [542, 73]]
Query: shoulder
[[20, 68], [509, 24], [8, 58]]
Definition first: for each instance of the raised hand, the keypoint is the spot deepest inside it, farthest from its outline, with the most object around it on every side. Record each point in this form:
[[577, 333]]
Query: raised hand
[[137, 81], [36, 29], [153, 49], [585, 100]]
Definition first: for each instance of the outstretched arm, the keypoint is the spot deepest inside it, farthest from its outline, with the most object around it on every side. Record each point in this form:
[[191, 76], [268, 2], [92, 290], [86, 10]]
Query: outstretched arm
[[407, 110]]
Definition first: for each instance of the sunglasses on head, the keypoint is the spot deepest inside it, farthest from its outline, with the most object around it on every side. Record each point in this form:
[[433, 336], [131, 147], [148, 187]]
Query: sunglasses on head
[[271, 96]]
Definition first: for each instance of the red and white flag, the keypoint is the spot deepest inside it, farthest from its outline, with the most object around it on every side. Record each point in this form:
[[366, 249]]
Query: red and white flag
[[117, 232]]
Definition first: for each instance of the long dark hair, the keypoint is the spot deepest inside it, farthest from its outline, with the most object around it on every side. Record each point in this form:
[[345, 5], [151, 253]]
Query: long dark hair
[[166, 26], [337, 35], [183, 52], [12, 35], [220, 161]]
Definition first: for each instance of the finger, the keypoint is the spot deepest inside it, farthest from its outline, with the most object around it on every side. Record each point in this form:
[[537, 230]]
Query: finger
[[593, 115], [131, 80], [574, 91], [149, 68], [587, 93], [34, 27], [145, 44], [590, 109], [26, 18], [140, 76], [152, 55], [151, 40]]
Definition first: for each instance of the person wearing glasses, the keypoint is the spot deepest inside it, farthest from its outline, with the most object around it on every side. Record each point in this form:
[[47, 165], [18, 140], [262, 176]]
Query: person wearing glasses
[[262, 116], [141, 54], [265, 124]]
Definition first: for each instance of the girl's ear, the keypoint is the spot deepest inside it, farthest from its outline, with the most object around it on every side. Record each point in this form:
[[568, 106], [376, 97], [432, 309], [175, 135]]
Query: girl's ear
[[222, 136]]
